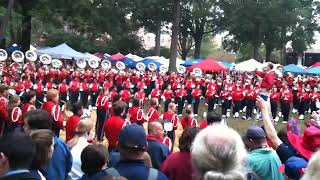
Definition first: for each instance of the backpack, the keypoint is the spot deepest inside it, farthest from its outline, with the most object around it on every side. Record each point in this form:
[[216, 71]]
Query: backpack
[[153, 173]]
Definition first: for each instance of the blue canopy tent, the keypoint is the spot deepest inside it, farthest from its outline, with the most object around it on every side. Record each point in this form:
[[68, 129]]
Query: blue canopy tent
[[191, 62], [12, 48], [148, 61], [129, 62], [294, 69], [63, 51], [314, 71], [226, 64]]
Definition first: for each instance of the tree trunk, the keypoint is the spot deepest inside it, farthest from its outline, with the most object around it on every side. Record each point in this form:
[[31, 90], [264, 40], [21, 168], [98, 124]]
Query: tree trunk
[[157, 39], [26, 29], [175, 34], [256, 52], [268, 53], [4, 23], [197, 46], [184, 49]]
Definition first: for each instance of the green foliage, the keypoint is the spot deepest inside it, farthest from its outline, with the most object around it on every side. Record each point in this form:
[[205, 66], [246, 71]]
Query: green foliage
[[165, 52]]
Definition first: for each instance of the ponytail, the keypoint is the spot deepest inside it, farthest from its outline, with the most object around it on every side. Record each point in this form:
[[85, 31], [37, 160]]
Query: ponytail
[[229, 175]]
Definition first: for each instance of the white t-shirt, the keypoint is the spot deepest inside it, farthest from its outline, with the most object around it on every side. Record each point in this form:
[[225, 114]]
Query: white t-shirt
[[76, 151]]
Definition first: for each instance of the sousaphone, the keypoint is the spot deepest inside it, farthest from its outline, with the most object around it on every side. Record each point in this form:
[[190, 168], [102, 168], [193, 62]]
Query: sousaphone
[[3, 55], [81, 63], [31, 55], [140, 66], [45, 59], [17, 56], [93, 63], [163, 69], [56, 63], [120, 65], [105, 64], [197, 72], [152, 67], [181, 69]]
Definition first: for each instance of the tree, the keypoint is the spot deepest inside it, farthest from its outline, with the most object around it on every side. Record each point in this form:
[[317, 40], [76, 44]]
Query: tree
[[186, 42], [152, 15], [4, 23], [174, 37], [204, 18]]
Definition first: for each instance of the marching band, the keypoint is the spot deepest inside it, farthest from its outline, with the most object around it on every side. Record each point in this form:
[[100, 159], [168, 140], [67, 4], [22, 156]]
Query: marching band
[[52, 83]]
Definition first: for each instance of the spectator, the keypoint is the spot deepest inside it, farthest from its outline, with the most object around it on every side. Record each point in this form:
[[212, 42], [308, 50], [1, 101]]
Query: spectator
[[77, 144], [53, 108], [262, 160], [156, 149], [114, 125], [217, 156], [60, 164], [73, 121], [43, 140], [178, 165], [132, 147], [212, 118], [4, 98], [188, 120], [313, 168], [293, 168], [16, 153], [15, 114], [93, 162], [29, 102]]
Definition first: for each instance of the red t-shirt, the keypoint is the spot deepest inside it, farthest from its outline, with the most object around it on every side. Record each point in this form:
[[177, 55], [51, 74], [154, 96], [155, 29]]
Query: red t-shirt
[[112, 129], [186, 122], [71, 126], [178, 166]]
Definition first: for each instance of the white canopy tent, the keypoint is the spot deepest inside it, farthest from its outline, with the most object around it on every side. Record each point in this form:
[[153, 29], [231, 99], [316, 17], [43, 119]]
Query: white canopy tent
[[62, 51], [134, 57], [249, 65], [91, 56], [165, 61]]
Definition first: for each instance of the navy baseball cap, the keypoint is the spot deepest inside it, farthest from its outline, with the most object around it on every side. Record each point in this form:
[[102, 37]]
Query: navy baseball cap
[[255, 132], [133, 137], [294, 167]]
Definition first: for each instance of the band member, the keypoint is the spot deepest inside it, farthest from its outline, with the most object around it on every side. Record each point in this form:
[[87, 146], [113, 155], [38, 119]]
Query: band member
[[268, 77], [211, 97], [226, 98], [27, 83], [39, 89], [29, 102], [189, 86], [188, 120], [196, 95], [136, 113], [295, 91], [304, 102], [286, 103], [251, 97], [314, 97], [125, 94], [84, 93], [63, 91], [102, 105], [19, 87], [152, 113], [74, 90], [94, 87], [53, 108], [168, 95], [181, 96], [74, 120], [141, 96], [173, 119], [274, 100], [156, 93], [15, 115], [4, 96], [237, 96]]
